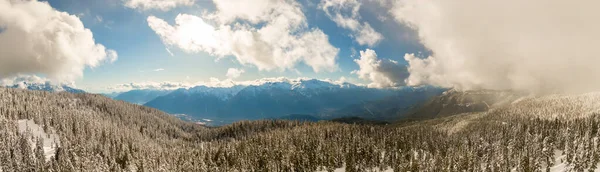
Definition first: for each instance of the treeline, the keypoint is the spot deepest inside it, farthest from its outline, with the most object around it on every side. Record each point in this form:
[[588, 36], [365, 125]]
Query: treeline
[[99, 134]]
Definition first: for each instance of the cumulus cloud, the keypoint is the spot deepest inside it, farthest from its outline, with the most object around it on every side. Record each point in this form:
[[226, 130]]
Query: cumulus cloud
[[268, 34], [381, 72], [234, 73], [344, 82], [164, 5], [16, 80], [535, 45], [39, 39], [345, 13]]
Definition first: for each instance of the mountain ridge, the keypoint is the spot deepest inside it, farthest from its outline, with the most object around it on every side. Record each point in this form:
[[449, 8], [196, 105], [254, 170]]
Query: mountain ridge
[[274, 98], [46, 86], [140, 96]]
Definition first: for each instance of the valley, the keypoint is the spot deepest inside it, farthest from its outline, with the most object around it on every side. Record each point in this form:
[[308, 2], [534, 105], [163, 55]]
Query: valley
[[277, 98]]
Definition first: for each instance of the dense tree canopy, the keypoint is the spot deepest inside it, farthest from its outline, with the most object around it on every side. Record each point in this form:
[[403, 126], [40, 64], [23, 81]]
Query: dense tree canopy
[[100, 134]]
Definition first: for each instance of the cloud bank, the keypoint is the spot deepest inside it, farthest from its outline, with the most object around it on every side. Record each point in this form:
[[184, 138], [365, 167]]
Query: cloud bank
[[381, 72], [23, 80], [215, 82], [39, 39], [535, 45], [345, 13], [268, 34], [151, 85], [233, 73], [164, 5]]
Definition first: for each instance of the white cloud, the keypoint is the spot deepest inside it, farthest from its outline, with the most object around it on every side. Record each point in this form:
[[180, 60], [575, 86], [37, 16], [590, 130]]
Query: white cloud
[[22, 79], [269, 34], [167, 85], [164, 5], [342, 81], [215, 82], [39, 39], [234, 73], [535, 45], [151, 85], [158, 70], [111, 55], [381, 72], [363, 33], [191, 33]]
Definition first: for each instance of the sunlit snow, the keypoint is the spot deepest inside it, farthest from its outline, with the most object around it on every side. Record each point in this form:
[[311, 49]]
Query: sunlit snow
[[50, 141]]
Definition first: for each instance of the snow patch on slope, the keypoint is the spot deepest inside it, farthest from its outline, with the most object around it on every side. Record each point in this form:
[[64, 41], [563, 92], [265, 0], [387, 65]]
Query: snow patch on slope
[[343, 169], [50, 141], [556, 106], [560, 165]]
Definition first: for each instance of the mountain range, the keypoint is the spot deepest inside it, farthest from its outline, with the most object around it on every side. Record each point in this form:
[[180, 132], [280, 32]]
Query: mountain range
[[321, 99], [303, 99], [140, 96], [45, 86]]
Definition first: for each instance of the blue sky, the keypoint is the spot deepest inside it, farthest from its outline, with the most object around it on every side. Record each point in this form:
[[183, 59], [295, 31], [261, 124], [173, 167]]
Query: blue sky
[[542, 46], [141, 51]]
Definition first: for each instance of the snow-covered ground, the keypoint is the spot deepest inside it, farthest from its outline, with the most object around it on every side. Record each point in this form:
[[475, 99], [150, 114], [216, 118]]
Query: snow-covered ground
[[50, 141], [567, 107], [343, 169], [560, 163]]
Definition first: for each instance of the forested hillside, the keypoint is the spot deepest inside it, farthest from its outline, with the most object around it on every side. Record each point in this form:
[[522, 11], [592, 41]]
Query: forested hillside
[[99, 134], [453, 102]]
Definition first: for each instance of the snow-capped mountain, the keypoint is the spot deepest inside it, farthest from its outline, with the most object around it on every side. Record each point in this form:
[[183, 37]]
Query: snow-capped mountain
[[306, 87], [47, 86], [223, 93], [141, 96], [268, 98], [315, 87], [32, 82]]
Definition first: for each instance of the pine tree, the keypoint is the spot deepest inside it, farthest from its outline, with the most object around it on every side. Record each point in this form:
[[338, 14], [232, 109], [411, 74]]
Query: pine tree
[[39, 154]]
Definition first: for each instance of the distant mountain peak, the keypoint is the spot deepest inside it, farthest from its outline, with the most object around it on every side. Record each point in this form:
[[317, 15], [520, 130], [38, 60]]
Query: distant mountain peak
[[311, 84], [46, 87], [223, 93], [38, 83]]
